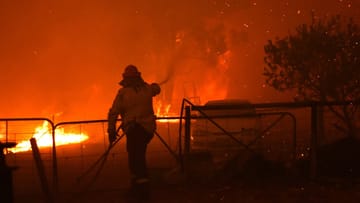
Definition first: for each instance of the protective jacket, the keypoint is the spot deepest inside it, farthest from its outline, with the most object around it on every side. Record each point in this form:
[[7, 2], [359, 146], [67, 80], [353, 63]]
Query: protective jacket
[[134, 105]]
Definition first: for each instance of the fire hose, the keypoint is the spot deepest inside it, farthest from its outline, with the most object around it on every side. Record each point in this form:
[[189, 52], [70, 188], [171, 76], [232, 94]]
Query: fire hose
[[102, 159]]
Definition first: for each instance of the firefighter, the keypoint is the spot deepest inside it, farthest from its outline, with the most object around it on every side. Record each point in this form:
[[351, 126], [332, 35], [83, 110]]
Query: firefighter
[[134, 104]]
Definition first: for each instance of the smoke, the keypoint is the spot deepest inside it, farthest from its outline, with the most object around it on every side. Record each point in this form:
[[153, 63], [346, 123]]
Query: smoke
[[66, 57]]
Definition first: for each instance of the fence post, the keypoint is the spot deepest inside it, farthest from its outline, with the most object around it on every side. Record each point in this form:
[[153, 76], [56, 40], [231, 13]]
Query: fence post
[[54, 159], [314, 134], [6, 178], [41, 170], [187, 129]]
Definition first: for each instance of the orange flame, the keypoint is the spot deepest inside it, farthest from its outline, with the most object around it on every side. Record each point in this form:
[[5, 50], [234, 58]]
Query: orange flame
[[163, 111], [43, 137]]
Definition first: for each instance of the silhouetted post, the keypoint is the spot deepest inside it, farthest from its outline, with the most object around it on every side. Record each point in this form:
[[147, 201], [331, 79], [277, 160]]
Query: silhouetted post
[[314, 134], [187, 129], [40, 167], [320, 124], [6, 185], [54, 158]]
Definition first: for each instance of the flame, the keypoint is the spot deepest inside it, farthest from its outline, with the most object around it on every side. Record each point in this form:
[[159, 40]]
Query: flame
[[164, 112], [43, 137], [216, 80]]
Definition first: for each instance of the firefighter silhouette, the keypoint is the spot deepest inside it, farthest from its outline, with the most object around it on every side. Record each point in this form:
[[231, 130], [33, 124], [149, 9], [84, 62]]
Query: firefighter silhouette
[[134, 104]]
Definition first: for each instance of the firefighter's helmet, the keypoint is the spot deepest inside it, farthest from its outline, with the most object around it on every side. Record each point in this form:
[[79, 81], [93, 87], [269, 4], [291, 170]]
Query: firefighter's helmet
[[131, 71]]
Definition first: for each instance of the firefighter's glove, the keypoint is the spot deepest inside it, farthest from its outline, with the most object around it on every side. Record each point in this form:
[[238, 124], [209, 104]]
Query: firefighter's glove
[[112, 136]]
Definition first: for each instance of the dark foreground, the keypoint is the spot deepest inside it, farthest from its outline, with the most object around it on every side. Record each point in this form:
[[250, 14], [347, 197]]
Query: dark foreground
[[259, 181], [304, 191]]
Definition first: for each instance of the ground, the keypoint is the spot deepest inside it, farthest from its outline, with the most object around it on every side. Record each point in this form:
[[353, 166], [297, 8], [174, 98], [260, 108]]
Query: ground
[[265, 190], [260, 181], [271, 191]]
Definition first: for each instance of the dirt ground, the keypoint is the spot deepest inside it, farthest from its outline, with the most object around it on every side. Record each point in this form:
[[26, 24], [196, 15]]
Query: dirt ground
[[259, 181], [237, 190], [242, 193]]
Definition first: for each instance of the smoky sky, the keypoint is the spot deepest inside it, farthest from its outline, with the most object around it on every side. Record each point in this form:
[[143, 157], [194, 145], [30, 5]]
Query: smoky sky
[[66, 57]]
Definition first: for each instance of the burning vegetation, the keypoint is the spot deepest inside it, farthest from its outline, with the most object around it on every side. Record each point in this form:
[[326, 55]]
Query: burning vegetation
[[44, 137]]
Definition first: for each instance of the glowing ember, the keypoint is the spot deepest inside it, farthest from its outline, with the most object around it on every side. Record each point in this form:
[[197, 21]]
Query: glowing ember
[[43, 137]]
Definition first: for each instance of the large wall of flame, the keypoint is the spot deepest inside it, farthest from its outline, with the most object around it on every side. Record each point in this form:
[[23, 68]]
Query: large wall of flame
[[63, 59]]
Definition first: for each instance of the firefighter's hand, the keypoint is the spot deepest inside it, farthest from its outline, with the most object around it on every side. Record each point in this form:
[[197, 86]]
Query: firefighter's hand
[[112, 136]]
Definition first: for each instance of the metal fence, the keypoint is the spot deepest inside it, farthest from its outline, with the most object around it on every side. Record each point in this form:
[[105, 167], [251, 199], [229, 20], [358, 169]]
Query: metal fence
[[279, 131], [65, 165], [311, 126]]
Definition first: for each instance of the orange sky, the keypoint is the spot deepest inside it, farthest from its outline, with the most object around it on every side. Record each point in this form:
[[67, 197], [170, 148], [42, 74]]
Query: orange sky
[[64, 58]]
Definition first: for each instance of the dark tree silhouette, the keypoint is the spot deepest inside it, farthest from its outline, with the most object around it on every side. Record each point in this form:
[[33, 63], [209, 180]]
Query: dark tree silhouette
[[319, 62]]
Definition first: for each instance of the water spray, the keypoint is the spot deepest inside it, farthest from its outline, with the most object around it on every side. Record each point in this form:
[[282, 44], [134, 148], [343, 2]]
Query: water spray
[[169, 75]]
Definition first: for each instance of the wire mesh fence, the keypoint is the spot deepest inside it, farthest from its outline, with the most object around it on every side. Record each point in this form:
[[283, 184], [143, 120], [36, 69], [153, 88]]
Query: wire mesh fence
[[281, 134]]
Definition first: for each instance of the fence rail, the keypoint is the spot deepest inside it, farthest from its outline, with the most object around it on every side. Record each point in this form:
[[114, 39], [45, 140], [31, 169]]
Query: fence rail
[[174, 137]]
